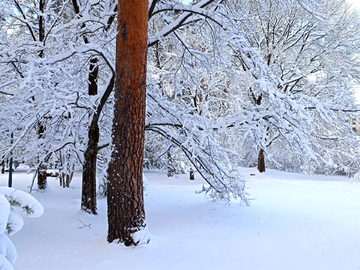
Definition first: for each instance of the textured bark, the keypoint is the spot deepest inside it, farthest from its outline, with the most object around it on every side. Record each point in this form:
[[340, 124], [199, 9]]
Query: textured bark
[[126, 213], [261, 161], [88, 192]]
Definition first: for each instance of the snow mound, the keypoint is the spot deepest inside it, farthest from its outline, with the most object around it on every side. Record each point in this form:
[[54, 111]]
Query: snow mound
[[357, 177], [18, 198], [141, 237]]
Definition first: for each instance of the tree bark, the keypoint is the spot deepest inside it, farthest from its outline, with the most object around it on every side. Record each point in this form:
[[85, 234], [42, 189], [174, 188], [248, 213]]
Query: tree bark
[[192, 175], [261, 161], [126, 213], [93, 75], [42, 181], [88, 192], [170, 165]]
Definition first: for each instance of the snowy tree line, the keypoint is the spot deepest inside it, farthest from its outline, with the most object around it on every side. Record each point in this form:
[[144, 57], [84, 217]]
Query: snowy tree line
[[229, 83]]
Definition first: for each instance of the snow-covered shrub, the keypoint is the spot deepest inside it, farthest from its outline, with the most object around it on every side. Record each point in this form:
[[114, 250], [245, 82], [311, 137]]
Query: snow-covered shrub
[[11, 222]]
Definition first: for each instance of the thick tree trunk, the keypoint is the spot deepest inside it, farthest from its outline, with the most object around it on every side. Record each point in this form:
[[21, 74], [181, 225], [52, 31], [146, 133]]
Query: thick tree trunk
[[126, 213], [88, 193], [261, 161]]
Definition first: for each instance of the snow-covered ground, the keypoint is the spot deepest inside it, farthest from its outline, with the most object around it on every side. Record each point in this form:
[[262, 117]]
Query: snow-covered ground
[[294, 222]]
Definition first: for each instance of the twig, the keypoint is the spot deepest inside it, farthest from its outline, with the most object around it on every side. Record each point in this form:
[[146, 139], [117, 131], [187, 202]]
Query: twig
[[83, 225]]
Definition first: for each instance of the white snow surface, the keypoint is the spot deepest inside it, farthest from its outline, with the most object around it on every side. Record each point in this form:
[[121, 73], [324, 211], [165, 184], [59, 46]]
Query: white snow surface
[[295, 222], [4, 213], [7, 252]]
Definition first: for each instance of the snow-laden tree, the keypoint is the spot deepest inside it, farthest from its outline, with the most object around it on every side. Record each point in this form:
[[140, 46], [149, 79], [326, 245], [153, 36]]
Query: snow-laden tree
[[194, 88], [178, 118], [53, 91], [313, 62], [79, 32], [33, 86], [11, 221]]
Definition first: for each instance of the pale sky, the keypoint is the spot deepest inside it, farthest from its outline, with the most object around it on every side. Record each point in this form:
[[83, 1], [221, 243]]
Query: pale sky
[[355, 2]]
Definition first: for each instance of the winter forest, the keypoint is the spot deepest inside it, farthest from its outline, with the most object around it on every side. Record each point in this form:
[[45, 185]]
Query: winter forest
[[116, 115]]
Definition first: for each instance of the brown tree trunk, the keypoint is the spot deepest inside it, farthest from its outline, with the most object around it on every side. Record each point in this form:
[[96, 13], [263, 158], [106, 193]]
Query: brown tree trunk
[[88, 192], [261, 161], [126, 213]]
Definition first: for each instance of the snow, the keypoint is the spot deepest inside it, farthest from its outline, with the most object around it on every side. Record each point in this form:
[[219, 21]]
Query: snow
[[8, 251], [4, 263], [25, 201], [11, 221], [294, 221], [4, 213]]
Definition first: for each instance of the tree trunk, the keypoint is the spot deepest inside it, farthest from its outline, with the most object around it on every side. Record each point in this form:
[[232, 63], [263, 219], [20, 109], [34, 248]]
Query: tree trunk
[[170, 165], [41, 25], [69, 178], [126, 213], [88, 193], [261, 161], [192, 175], [93, 75], [41, 180]]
